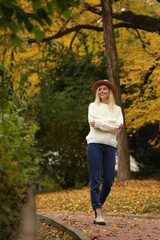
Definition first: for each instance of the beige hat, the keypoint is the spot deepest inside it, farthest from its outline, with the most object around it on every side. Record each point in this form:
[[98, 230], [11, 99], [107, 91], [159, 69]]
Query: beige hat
[[105, 82]]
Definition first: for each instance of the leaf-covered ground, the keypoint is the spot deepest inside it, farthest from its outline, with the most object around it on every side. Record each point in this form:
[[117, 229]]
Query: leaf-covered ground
[[135, 197], [140, 197], [46, 231]]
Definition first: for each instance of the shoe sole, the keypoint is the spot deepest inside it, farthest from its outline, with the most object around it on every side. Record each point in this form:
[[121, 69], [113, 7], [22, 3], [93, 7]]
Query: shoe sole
[[99, 223]]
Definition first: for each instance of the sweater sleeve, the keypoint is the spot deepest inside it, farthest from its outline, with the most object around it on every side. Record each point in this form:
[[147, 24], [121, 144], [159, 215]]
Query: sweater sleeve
[[107, 124], [110, 125]]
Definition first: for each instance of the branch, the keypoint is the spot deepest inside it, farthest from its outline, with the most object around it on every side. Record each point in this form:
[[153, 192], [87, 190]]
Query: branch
[[129, 19], [68, 31], [139, 26], [148, 74], [93, 8], [144, 44], [138, 21], [75, 35]]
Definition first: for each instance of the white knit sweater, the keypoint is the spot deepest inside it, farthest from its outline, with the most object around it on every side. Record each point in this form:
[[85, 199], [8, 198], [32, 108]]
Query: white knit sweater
[[107, 123]]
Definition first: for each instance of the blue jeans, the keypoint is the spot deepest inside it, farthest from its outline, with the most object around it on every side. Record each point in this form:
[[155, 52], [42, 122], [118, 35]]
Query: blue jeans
[[101, 162]]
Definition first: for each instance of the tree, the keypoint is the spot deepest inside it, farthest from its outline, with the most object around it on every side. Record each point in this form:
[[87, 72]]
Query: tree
[[123, 18], [113, 76], [128, 20]]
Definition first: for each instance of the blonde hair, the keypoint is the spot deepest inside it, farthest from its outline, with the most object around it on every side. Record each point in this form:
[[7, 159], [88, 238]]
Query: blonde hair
[[111, 99]]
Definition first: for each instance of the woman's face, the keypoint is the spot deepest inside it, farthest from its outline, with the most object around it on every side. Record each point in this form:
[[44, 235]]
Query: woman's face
[[103, 92]]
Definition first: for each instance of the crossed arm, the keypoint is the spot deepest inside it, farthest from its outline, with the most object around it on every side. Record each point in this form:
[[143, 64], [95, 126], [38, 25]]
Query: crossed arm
[[106, 124]]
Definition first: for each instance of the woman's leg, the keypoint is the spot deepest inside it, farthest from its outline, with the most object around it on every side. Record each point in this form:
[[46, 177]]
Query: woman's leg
[[108, 167], [94, 156]]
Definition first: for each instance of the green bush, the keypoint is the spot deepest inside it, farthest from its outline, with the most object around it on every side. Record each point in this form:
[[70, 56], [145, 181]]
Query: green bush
[[17, 159], [60, 108], [145, 149]]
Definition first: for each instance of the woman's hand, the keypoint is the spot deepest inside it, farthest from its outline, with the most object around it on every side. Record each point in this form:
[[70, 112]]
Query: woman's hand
[[92, 123], [121, 126]]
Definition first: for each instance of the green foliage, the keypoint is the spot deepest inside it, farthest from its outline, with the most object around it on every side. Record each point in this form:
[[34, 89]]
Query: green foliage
[[18, 165], [14, 18], [152, 205], [145, 148], [47, 184], [61, 110], [17, 152], [140, 86]]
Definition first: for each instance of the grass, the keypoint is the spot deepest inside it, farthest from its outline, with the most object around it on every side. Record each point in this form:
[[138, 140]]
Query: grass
[[140, 197]]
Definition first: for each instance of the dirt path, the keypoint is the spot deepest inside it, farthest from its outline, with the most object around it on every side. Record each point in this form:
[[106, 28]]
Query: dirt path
[[117, 228]]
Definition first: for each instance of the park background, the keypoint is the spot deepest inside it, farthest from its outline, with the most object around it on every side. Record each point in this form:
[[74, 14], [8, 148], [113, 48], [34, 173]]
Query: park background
[[51, 53]]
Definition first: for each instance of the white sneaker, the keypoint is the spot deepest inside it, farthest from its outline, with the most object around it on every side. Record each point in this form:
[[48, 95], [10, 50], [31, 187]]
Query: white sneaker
[[98, 217]]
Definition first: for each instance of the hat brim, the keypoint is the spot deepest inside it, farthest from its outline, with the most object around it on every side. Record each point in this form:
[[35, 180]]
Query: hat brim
[[105, 82]]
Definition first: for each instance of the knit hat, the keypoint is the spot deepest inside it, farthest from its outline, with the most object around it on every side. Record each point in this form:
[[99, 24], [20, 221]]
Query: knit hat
[[105, 82]]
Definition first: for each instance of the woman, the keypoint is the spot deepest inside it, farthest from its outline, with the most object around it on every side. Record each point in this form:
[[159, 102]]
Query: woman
[[105, 120]]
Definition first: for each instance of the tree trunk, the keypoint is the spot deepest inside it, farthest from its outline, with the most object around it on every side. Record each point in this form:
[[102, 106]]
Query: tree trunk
[[113, 76]]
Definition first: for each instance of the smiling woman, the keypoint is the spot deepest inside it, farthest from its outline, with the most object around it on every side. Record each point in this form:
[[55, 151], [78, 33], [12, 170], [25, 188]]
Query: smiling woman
[[105, 121]]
